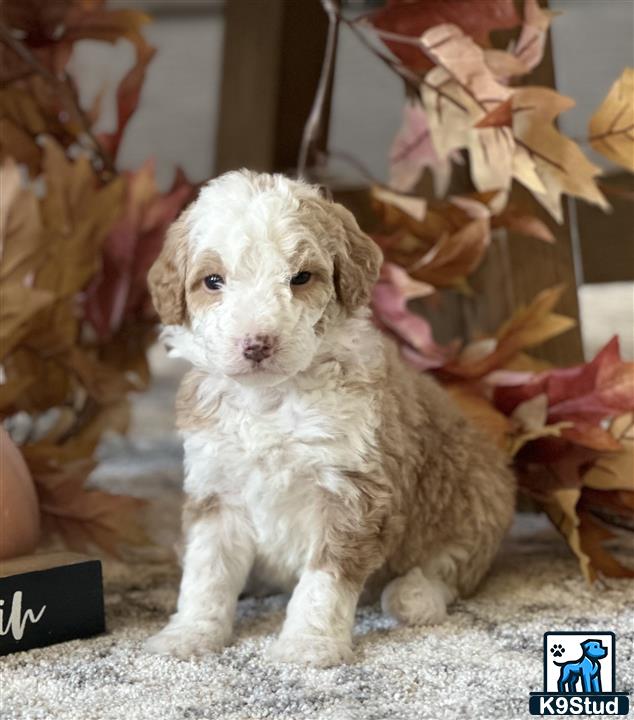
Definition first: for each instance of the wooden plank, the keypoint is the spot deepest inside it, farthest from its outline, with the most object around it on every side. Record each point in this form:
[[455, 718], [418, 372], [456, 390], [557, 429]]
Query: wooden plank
[[273, 52], [607, 239], [536, 265]]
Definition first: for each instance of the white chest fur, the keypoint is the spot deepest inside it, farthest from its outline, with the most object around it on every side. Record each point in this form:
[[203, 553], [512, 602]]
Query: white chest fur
[[275, 453]]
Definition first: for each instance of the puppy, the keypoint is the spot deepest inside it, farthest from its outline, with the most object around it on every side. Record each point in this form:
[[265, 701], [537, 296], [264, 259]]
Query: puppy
[[315, 460]]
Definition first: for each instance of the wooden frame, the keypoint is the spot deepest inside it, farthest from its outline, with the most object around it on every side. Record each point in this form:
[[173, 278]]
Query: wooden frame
[[273, 52]]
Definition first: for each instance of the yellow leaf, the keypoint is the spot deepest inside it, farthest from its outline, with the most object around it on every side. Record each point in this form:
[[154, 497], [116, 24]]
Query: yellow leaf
[[11, 391], [103, 383], [504, 64], [460, 93], [561, 507], [529, 325], [535, 323], [468, 108], [18, 306], [611, 127], [22, 246], [530, 417], [615, 470], [77, 216], [593, 537], [409, 204], [532, 40], [558, 161]]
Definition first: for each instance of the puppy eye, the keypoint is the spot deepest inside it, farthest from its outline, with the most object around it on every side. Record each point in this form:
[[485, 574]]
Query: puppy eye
[[301, 278], [213, 282]]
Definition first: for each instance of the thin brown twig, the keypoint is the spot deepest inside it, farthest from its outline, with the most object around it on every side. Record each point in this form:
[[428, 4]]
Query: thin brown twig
[[64, 87], [411, 79], [354, 162], [314, 124]]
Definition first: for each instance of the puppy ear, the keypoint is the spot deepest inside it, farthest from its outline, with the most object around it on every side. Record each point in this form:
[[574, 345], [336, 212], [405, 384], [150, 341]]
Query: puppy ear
[[357, 262], [166, 278]]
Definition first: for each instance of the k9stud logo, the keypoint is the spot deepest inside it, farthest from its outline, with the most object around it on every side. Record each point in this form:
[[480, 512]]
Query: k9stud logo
[[579, 676]]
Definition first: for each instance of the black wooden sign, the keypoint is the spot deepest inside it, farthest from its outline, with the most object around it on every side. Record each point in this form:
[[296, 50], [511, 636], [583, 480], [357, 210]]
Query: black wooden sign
[[46, 599]]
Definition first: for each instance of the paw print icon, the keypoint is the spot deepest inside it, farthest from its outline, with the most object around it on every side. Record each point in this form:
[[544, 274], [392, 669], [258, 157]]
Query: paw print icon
[[557, 650]]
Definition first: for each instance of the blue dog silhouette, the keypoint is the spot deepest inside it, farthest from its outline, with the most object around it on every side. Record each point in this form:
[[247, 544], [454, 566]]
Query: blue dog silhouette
[[587, 668]]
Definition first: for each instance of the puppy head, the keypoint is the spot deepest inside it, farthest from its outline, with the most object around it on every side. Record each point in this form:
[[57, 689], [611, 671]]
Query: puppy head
[[256, 271]]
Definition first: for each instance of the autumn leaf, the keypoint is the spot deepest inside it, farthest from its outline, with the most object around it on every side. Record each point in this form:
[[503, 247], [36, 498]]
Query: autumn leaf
[[413, 150], [528, 326], [607, 499], [454, 256], [407, 285], [77, 214], [93, 22], [411, 19], [31, 108], [87, 517], [38, 24], [22, 250], [128, 94], [103, 383], [585, 395], [524, 224], [504, 65], [83, 517], [529, 49], [411, 205], [458, 95], [530, 422], [119, 291], [467, 107], [593, 537], [611, 129], [503, 213], [557, 161], [443, 248], [560, 505], [18, 144], [50, 30], [414, 334], [615, 470]]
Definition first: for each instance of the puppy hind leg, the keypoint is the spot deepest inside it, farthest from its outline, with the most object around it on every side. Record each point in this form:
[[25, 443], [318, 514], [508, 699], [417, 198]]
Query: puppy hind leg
[[417, 599]]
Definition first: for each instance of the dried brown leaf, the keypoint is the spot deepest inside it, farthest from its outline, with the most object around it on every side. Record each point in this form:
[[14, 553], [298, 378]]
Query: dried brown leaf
[[529, 49], [467, 107], [611, 128], [529, 325], [615, 470]]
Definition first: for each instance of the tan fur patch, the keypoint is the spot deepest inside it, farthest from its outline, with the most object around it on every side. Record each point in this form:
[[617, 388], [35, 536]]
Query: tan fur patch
[[191, 414], [440, 499], [357, 263], [357, 536], [166, 278], [196, 510]]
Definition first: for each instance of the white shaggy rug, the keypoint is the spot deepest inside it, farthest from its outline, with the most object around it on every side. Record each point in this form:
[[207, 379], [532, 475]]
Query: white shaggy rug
[[481, 664]]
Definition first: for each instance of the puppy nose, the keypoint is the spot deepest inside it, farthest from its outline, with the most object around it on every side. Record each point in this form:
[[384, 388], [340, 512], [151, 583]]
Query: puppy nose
[[258, 348]]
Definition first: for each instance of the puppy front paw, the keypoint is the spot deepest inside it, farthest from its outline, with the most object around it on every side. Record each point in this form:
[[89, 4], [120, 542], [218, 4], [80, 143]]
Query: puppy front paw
[[311, 650], [185, 640]]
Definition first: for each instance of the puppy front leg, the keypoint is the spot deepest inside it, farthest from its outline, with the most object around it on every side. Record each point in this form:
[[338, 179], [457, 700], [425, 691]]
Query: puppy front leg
[[319, 619], [320, 614], [218, 556]]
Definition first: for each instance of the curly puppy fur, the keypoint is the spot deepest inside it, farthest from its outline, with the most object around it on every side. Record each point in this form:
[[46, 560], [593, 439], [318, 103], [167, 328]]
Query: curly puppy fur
[[318, 462]]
